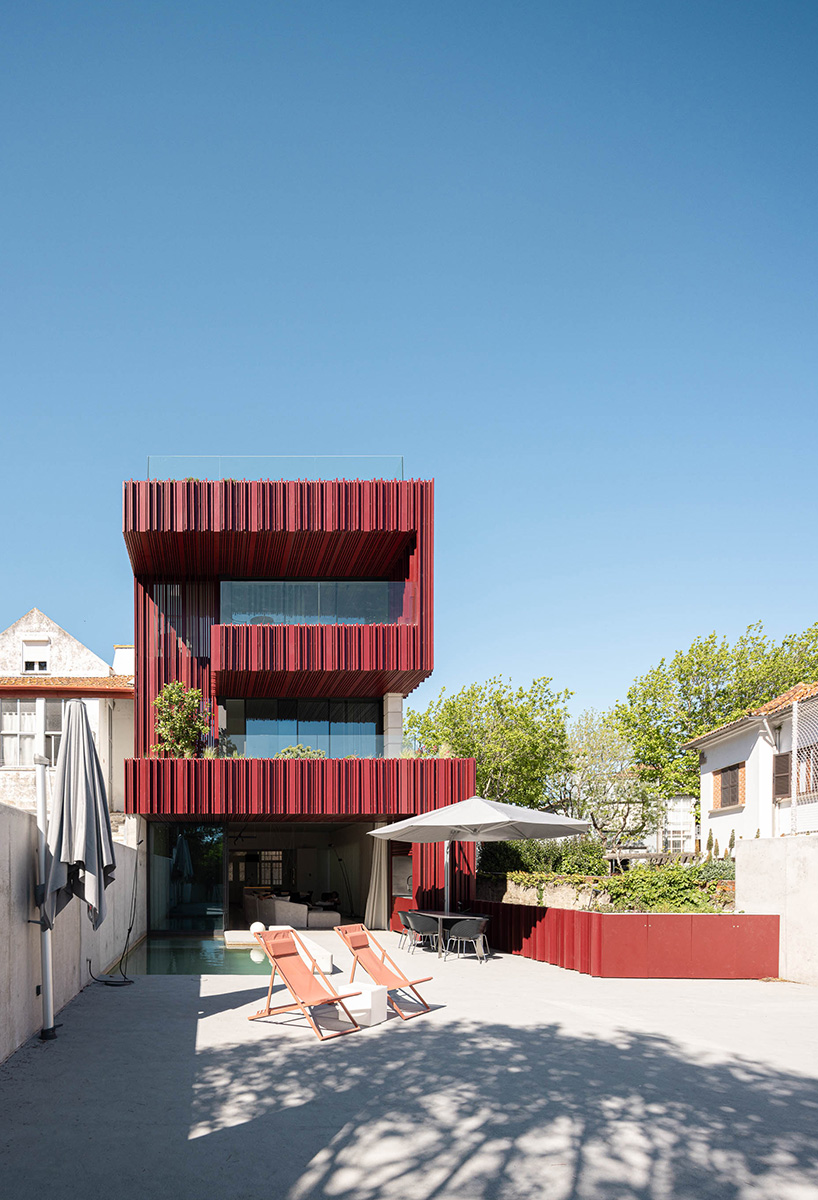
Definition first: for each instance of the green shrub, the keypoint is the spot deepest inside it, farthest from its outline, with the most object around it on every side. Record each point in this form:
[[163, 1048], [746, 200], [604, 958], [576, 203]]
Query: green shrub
[[671, 888], [182, 721], [572, 856], [718, 868], [299, 752], [497, 858], [583, 856]]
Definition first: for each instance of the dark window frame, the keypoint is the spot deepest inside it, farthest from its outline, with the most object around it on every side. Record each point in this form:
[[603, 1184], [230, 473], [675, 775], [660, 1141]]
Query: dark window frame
[[729, 781], [782, 775]]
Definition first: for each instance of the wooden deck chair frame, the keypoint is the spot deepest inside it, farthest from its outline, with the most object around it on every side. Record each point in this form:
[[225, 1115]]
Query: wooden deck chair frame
[[400, 981], [268, 941]]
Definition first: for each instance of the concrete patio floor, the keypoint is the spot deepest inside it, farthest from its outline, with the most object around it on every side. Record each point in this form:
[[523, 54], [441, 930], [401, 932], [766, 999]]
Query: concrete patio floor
[[526, 1081]]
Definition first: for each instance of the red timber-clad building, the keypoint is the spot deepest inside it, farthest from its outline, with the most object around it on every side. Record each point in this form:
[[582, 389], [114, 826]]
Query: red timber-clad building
[[304, 612]]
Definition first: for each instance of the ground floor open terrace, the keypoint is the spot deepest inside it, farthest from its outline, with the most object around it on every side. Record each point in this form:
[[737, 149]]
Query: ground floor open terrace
[[524, 1081]]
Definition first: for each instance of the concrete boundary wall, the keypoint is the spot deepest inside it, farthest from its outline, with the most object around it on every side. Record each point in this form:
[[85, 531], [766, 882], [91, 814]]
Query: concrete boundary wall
[[74, 941], [780, 875]]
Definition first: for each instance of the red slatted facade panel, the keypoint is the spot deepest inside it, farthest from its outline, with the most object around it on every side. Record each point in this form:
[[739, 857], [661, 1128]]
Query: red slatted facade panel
[[312, 660], [268, 789], [183, 537]]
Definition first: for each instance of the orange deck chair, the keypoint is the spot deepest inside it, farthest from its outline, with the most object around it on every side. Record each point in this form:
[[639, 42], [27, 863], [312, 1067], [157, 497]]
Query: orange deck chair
[[371, 956], [307, 991]]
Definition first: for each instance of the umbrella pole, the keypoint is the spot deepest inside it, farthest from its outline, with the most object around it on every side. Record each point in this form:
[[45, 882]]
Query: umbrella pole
[[447, 847], [48, 1031]]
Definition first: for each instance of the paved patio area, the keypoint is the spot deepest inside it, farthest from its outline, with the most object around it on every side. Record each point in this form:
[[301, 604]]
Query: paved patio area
[[526, 1081]]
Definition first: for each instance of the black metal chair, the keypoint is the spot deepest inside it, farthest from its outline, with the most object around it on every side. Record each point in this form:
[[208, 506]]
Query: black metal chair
[[469, 929], [423, 928]]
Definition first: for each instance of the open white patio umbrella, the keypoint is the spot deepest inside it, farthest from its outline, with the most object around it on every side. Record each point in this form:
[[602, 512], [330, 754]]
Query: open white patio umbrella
[[78, 859], [479, 820]]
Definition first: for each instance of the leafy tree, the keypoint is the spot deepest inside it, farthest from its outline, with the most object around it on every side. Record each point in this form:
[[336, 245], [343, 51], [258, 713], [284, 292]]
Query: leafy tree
[[182, 721], [601, 783], [709, 684], [517, 736]]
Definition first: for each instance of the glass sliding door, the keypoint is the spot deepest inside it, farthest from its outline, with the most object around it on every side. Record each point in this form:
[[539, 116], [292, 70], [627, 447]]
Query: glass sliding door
[[186, 877]]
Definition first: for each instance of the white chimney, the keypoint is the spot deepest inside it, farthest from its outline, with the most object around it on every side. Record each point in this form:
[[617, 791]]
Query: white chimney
[[123, 660]]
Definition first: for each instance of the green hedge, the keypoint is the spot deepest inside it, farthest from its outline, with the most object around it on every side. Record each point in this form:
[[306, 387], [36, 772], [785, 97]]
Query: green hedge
[[669, 888], [573, 856]]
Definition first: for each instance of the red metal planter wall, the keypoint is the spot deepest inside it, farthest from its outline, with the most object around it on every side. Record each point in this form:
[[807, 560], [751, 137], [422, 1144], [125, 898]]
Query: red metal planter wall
[[639, 945]]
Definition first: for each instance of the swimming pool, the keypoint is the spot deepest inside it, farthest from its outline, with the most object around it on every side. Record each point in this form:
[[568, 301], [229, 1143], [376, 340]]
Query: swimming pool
[[190, 954]]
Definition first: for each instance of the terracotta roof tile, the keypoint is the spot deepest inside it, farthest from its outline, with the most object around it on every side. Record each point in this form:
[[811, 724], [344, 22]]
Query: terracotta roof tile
[[92, 683], [800, 691]]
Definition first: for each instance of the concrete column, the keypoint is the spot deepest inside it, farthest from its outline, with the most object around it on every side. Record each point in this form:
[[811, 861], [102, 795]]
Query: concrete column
[[392, 725]]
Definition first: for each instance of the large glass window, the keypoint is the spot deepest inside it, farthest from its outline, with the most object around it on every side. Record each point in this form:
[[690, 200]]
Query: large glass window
[[339, 728], [315, 602], [186, 876], [17, 727]]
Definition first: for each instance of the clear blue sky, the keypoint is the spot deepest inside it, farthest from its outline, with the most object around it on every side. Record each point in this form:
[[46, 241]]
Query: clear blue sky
[[561, 256]]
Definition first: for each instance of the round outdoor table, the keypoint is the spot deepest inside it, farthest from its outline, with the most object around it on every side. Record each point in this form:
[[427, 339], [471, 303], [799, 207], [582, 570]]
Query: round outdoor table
[[440, 917]]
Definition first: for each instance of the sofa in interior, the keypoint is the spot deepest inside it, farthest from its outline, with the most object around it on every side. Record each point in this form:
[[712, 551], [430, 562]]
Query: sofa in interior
[[275, 910]]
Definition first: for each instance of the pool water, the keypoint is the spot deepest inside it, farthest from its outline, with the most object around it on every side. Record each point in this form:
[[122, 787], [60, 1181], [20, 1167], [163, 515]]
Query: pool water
[[191, 954]]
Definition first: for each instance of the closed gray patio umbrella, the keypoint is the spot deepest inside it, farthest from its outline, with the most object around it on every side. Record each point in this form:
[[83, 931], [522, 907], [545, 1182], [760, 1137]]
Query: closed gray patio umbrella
[[80, 854]]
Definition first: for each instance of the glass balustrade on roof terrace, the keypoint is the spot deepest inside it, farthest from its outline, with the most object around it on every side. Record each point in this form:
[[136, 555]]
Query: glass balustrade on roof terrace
[[290, 467]]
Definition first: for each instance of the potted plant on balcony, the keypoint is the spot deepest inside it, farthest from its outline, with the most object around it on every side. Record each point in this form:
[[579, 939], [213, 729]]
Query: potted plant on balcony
[[182, 723]]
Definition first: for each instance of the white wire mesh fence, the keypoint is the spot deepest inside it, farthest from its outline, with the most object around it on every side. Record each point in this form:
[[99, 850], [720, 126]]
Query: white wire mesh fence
[[804, 767]]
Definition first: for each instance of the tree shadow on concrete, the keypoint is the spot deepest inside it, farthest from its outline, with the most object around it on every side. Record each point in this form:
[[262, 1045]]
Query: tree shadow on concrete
[[480, 1112], [139, 1097]]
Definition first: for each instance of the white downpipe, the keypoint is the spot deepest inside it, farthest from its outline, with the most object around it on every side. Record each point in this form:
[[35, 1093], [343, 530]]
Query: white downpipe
[[447, 853], [793, 773], [48, 1032]]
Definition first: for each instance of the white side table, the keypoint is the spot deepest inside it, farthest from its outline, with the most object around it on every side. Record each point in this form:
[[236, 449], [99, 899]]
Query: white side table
[[370, 1007]]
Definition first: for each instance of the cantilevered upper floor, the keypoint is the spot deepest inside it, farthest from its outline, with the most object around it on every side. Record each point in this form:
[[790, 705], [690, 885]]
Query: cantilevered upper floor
[[280, 588]]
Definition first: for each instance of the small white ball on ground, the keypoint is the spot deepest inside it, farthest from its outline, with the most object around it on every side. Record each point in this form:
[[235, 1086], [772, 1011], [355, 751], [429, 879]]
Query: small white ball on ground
[[258, 927]]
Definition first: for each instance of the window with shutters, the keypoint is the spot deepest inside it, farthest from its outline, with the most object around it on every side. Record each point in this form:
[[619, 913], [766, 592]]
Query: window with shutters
[[781, 776], [729, 788]]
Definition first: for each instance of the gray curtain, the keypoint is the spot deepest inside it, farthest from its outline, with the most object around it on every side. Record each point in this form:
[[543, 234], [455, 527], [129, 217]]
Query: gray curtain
[[376, 915]]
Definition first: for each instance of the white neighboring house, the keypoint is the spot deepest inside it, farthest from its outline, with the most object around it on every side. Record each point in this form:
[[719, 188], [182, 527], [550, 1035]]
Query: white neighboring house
[[677, 833], [41, 667], [749, 773]]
